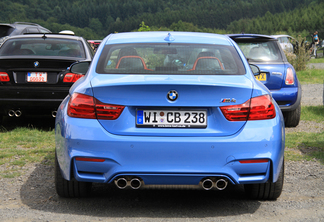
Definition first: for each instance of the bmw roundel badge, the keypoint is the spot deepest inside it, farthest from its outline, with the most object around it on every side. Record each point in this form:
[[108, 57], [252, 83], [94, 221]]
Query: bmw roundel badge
[[36, 64], [172, 95]]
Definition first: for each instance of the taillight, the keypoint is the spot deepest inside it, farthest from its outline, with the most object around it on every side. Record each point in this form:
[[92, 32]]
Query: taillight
[[4, 77], [72, 77], [257, 108], [290, 80], [84, 106]]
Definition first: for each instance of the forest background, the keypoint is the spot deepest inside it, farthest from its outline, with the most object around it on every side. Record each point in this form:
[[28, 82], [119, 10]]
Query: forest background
[[95, 19]]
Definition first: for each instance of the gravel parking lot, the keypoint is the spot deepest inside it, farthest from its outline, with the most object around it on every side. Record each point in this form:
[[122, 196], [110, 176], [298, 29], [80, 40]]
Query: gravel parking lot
[[32, 196]]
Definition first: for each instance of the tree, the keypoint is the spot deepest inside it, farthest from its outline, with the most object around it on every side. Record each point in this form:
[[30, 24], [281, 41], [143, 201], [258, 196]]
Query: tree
[[143, 27]]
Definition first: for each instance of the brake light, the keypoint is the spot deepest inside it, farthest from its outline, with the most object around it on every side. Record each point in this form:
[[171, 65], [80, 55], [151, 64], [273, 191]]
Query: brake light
[[4, 77], [72, 77], [84, 106], [290, 80], [257, 108]]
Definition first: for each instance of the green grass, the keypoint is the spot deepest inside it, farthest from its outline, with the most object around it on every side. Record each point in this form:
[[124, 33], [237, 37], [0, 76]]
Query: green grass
[[312, 113], [311, 76], [303, 145], [317, 60], [22, 146]]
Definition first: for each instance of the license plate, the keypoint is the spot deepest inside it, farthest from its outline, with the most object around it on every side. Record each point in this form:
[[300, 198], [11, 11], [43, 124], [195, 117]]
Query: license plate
[[261, 77], [37, 77], [171, 119]]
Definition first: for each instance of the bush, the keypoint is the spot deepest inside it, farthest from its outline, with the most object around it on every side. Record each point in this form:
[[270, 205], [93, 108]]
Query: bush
[[301, 54]]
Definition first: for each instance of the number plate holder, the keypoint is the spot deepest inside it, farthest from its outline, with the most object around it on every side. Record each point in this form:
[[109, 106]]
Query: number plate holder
[[37, 77], [262, 76], [171, 118]]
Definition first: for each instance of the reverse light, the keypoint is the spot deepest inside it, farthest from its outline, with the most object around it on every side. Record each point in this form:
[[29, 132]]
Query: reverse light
[[257, 108], [4, 77], [88, 107], [290, 80], [72, 77]]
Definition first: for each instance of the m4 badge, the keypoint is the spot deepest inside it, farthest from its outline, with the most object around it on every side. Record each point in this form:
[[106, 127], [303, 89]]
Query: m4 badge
[[228, 100]]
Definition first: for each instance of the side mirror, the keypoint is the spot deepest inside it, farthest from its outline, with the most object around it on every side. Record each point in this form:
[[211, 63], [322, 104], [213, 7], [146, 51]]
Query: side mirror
[[255, 69], [80, 67]]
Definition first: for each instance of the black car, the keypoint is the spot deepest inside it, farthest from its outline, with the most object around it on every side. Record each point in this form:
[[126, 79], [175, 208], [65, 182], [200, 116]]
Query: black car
[[19, 28], [34, 75]]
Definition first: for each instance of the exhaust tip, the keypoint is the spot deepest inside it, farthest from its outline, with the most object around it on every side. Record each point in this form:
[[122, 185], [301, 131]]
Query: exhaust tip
[[135, 183], [54, 114], [207, 184], [11, 113], [18, 113], [221, 184], [121, 183]]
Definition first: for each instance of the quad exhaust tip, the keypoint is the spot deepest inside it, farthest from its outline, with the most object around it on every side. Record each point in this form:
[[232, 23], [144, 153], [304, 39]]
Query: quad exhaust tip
[[16, 113], [136, 183], [208, 184], [122, 183]]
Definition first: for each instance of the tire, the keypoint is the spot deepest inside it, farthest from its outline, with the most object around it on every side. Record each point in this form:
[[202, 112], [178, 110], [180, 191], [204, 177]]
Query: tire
[[266, 191], [292, 117], [72, 188]]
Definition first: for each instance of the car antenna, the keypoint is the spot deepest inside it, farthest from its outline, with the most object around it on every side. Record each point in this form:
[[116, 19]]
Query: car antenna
[[44, 36]]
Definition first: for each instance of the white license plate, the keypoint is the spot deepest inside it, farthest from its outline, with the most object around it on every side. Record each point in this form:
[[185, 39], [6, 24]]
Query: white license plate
[[37, 77], [171, 118]]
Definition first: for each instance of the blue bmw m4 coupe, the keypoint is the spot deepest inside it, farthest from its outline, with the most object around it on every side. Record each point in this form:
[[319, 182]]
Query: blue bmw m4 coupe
[[169, 109]]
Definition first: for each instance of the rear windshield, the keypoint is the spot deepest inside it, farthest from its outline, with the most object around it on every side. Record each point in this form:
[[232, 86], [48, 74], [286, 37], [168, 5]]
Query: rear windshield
[[43, 47], [267, 51], [5, 30], [170, 59]]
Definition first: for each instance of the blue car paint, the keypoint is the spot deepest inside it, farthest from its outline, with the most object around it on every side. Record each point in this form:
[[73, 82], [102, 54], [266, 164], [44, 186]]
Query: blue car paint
[[216, 155], [163, 159]]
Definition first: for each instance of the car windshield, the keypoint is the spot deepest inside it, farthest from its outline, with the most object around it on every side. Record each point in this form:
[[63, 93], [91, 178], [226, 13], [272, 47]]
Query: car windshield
[[5, 30], [170, 59], [261, 51], [43, 47]]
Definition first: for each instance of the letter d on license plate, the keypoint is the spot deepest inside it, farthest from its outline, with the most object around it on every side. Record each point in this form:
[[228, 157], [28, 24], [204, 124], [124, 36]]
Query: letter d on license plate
[[171, 118]]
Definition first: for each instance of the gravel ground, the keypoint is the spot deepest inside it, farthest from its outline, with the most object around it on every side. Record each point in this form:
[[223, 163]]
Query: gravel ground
[[32, 196]]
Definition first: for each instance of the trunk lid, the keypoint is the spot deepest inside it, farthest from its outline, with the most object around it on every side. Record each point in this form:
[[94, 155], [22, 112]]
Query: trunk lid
[[149, 92], [275, 74]]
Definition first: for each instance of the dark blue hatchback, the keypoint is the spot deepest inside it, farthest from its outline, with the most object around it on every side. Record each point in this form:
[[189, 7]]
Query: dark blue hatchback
[[276, 72]]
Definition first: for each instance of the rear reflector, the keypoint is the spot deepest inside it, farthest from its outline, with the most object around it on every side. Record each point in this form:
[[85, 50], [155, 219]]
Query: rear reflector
[[72, 77], [254, 161], [4, 77], [89, 159], [257, 108], [84, 106]]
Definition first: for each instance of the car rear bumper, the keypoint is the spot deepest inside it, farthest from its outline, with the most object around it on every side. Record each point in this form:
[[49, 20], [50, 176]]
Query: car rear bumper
[[28, 99], [288, 99], [169, 160]]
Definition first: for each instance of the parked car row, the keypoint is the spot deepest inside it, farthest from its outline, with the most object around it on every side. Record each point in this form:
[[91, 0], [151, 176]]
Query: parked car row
[[157, 109]]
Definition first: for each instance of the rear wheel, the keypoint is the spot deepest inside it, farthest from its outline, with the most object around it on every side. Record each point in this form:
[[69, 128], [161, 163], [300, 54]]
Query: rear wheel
[[266, 191], [72, 188], [292, 117]]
